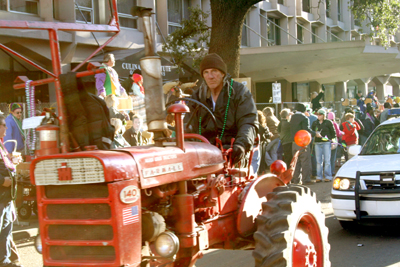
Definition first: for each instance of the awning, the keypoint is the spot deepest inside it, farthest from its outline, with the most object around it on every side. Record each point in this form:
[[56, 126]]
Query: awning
[[322, 62]]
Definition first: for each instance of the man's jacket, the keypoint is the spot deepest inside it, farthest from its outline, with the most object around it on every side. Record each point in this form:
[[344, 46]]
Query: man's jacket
[[241, 118]]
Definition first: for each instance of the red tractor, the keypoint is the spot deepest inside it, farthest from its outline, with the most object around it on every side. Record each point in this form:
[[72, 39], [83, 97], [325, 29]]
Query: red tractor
[[164, 204]]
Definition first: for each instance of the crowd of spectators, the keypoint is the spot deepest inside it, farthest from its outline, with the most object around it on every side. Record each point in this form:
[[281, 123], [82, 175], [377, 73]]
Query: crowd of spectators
[[332, 135]]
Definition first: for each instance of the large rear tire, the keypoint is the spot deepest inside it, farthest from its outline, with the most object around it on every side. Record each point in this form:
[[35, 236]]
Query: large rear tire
[[291, 230]]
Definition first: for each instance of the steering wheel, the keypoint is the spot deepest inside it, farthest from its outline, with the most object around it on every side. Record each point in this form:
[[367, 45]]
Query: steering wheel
[[192, 113]]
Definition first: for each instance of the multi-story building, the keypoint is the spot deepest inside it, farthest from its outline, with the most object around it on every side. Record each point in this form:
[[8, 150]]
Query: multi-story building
[[306, 43], [300, 43]]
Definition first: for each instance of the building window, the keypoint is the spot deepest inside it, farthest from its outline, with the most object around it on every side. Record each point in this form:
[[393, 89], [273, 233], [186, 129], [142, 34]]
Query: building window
[[177, 11], [281, 2], [339, 10], [23, 6], [306, 6], [245, 33], [124, 13], [333, 37], [314, 33], [328, 8], [84, 11], [274, 33], [300, 34]]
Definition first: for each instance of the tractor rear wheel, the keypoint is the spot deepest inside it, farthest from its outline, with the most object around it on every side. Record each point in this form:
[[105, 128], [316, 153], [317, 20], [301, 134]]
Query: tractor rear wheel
[[291, 230]]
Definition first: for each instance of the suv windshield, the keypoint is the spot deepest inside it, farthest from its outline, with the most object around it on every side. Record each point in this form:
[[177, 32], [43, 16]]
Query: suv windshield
[[384, 140]]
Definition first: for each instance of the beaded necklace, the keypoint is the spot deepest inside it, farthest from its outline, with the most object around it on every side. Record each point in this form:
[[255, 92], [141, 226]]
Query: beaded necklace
[[226, 112]]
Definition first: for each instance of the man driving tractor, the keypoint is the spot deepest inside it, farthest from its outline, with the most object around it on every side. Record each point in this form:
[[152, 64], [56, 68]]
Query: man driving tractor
[[232, 105]]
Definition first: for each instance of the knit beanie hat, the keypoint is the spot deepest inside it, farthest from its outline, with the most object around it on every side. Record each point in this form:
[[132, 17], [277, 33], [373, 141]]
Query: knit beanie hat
[[14, 106], [212, 61], [300, 107]]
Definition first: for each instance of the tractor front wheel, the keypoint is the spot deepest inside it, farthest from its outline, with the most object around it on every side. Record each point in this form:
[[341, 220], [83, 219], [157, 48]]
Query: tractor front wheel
[[24, 212], [291, 230]]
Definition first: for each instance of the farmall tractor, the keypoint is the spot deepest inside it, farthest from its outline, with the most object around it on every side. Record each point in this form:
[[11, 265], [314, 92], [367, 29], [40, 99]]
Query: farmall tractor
[[164, 204]]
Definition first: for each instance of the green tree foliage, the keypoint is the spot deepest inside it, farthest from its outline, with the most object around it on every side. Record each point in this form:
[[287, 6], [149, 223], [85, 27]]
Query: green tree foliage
[[191, 40], [383, 16]]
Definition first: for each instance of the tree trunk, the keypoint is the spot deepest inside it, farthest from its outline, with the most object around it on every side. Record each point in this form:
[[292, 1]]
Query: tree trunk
[[226, 34]]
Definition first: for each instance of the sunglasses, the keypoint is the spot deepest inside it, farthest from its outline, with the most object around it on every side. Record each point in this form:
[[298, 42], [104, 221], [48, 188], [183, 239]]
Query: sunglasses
[[18, 112]]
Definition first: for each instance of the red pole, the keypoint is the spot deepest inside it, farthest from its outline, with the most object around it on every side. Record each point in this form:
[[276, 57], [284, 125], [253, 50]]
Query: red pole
[[51, 80], [56, 61], [95, 52], [25, 59], [114, 22]]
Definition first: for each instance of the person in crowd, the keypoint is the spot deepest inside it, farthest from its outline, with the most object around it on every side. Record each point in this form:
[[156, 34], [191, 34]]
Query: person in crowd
[[107, 83], [374, 98], [8, 252], [134, 135], [322, 145], [359, 95], [316, 98], [119, 140], [335, 147], [15, 132], [370, 121], [384, 115], [258, 162], [311, 118], [360, 123], [285, 136], [137, 85], [350, 129], [232, 105], [112, 104], [272, 148], [396, 105], [136, 92], [299, 121]]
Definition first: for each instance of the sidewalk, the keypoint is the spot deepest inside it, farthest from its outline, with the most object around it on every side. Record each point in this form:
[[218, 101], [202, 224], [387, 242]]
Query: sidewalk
[[26, 228]]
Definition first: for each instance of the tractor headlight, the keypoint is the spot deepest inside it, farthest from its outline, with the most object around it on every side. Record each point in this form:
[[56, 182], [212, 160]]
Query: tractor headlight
[[341, 183], [167, 244], [38, 244]]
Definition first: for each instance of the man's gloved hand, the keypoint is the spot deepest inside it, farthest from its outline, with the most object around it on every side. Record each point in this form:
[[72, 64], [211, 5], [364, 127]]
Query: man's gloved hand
[[237, 153]]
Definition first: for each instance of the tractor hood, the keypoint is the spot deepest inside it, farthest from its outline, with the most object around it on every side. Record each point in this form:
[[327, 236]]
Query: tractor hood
[[163, 165]]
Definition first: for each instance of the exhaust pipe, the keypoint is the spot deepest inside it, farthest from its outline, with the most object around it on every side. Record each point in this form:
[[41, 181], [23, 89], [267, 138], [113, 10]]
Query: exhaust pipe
[[151, 72]]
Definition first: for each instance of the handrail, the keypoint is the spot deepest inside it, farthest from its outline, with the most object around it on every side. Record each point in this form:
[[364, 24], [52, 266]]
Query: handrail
[[291, 35], [311, 32], [334, 35], [269, 42]]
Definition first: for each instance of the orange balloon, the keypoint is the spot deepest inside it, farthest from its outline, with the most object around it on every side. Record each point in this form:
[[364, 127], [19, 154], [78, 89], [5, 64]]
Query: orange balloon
[[278, 167], [302, 138]]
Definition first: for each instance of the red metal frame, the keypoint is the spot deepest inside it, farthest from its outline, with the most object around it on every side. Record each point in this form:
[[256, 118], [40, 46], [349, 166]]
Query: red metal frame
[[52, 28]]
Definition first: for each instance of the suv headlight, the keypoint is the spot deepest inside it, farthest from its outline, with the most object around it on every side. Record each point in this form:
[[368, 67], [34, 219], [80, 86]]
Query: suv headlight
[[342, 183]]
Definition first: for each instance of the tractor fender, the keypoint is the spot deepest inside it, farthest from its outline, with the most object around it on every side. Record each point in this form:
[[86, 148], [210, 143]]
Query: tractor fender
[[252, 197]]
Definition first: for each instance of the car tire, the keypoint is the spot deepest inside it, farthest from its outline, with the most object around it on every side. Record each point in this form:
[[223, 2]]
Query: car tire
[[348, 225], [291, 215]]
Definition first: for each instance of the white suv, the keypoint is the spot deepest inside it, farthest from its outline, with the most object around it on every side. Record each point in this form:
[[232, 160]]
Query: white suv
[[368, 185]]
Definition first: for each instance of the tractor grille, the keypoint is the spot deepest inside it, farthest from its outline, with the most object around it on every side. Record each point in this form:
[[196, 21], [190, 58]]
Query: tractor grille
[[82, 253], [84, 171], [77, 191], [80, 232], [79, 212]]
